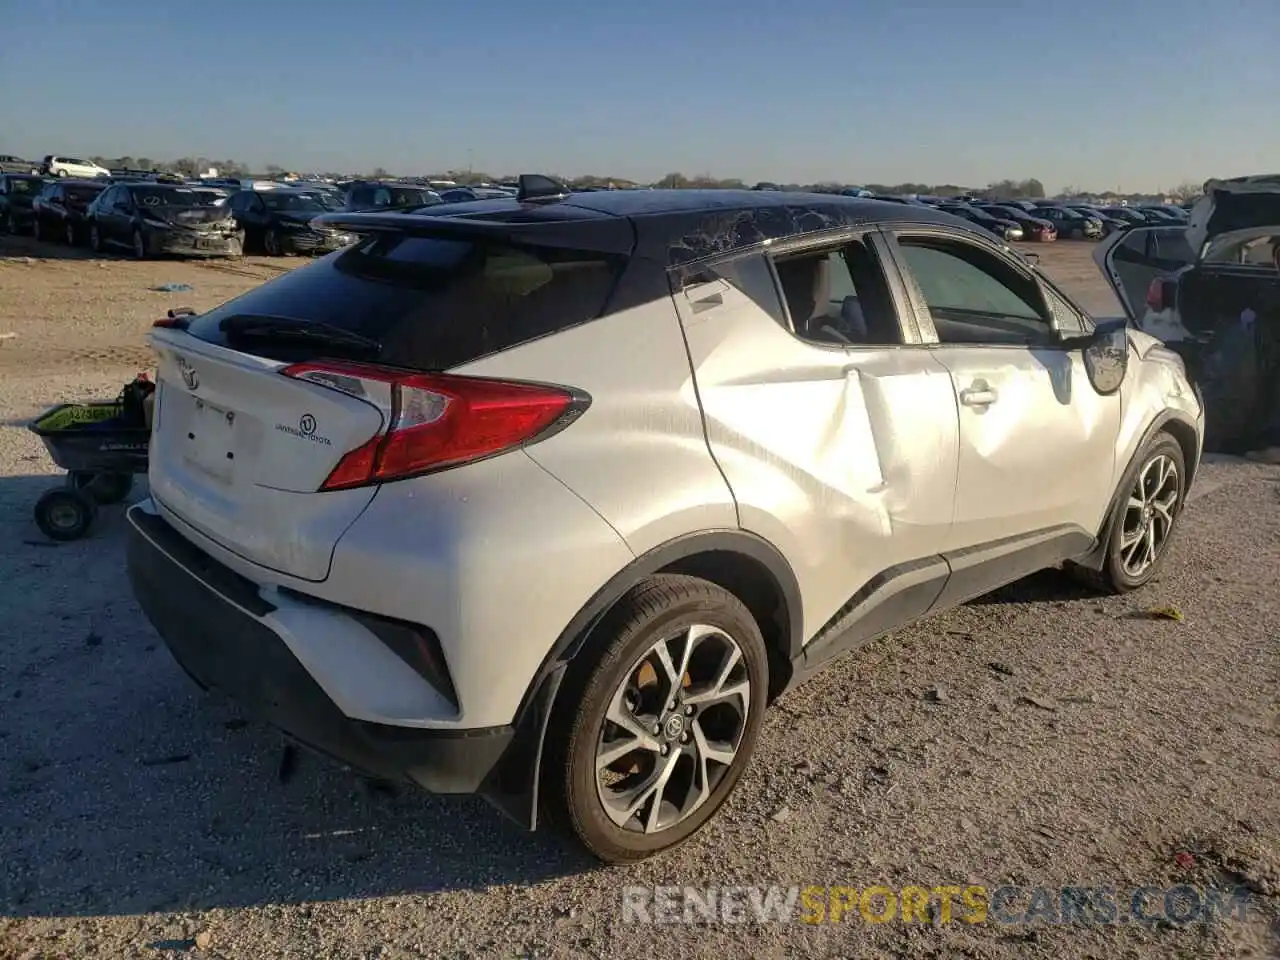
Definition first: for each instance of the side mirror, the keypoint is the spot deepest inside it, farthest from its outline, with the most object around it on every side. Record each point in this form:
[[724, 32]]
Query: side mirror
[[1032, 258], [1106, 359]]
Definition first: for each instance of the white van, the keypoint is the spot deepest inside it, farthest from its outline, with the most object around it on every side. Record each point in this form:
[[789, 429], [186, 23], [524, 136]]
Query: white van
[[71, 167]]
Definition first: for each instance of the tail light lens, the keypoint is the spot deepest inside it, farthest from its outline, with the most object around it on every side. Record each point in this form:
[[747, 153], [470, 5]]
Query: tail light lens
[[434, 421]]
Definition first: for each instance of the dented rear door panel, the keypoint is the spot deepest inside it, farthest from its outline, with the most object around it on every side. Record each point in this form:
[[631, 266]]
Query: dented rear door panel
[[843, 458]]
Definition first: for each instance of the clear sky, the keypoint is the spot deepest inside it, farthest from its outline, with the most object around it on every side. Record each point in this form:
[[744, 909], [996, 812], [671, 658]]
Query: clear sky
[[1119, 94]]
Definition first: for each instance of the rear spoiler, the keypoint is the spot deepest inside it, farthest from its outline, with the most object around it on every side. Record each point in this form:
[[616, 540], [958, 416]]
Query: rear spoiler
[[603, 234]]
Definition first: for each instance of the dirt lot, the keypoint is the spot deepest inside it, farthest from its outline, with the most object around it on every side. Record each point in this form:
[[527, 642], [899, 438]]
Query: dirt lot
[[1037, 737]]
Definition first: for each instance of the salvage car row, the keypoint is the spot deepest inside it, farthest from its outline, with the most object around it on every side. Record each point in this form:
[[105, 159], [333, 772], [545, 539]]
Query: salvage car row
[[1046, 220], [159, 215], [169, 215]]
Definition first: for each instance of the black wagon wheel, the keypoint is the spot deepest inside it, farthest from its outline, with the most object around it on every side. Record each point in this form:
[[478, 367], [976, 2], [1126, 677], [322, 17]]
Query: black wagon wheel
[[64, 514]]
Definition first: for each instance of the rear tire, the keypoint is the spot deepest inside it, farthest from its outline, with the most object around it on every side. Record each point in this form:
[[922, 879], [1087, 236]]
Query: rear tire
[[676, 655], [1144, 520], [64, 514]]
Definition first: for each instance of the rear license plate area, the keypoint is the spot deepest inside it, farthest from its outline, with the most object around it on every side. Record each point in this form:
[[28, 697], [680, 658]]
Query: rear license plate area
[[210, 441]]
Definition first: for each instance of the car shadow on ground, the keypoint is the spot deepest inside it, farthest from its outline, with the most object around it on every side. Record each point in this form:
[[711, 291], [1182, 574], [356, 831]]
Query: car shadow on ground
[[124, 789], [24, 245], [1047, 586]]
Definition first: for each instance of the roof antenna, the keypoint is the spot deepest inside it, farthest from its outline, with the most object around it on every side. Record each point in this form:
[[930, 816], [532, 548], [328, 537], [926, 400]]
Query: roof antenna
[[536, 188]]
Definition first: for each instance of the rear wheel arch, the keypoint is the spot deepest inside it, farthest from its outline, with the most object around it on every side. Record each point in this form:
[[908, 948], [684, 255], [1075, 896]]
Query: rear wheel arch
[[742, 563]]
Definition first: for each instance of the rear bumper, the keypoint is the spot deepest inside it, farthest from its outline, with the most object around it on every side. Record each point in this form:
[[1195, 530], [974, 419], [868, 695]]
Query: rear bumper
[[217, 625]]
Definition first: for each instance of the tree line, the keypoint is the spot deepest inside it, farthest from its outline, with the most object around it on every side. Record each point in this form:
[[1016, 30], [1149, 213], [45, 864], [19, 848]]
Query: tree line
[[1028, 189]]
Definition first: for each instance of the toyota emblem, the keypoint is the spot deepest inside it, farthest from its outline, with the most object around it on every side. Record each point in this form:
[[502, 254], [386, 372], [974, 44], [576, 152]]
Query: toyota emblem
[[307, 425], [188, 374]]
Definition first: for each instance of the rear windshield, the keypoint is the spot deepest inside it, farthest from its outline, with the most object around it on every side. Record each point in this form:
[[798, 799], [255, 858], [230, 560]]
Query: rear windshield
[[429, 303], [82, 193], [25, 185]]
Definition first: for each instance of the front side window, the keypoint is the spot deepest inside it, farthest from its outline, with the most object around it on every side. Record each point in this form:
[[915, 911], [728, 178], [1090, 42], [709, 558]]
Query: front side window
[[972, 295]]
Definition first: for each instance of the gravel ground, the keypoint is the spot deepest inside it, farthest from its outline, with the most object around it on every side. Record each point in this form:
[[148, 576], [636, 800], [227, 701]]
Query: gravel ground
[[1038, 736]]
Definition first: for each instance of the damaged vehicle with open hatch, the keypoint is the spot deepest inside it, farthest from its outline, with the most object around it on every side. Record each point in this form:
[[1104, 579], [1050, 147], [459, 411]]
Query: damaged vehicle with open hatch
[[154, 219], [549, 497], [1210, 290]]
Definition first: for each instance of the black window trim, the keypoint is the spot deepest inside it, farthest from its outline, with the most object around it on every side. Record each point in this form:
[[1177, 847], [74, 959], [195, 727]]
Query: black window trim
[[924, 318]]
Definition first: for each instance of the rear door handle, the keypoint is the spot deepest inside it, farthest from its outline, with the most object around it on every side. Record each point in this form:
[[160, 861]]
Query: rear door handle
[[979, 394]]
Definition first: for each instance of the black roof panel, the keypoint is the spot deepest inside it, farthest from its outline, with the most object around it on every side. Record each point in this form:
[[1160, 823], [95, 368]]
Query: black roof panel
[[679, 226]]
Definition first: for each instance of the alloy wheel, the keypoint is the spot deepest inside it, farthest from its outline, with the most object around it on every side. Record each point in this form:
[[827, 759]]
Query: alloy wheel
[[673, 729], [1149, 515]]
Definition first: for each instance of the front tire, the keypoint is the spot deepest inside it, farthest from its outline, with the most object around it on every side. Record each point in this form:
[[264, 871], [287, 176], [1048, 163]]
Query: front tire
[[139, 245], [95, 238], [657, 721], [69, 234], [1153, 494], [36, 233], [272, 244]]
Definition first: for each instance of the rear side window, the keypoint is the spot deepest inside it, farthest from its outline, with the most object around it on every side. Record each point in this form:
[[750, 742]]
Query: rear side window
[[427, 303], [752, 276]]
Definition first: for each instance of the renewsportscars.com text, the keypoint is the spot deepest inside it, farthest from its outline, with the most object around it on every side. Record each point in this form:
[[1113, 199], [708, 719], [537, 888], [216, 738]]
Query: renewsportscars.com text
[[970, 904]]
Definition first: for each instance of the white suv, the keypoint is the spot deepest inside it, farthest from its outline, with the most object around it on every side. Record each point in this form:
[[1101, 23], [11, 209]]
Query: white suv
[[71, 167], [549, 497]]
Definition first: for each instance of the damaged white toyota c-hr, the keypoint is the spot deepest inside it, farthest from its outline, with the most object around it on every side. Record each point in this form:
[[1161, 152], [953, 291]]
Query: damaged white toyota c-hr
[[548, 498]]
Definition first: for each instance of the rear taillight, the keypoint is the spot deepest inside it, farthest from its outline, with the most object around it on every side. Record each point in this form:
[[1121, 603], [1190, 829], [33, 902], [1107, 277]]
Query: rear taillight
[[434, 421]]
